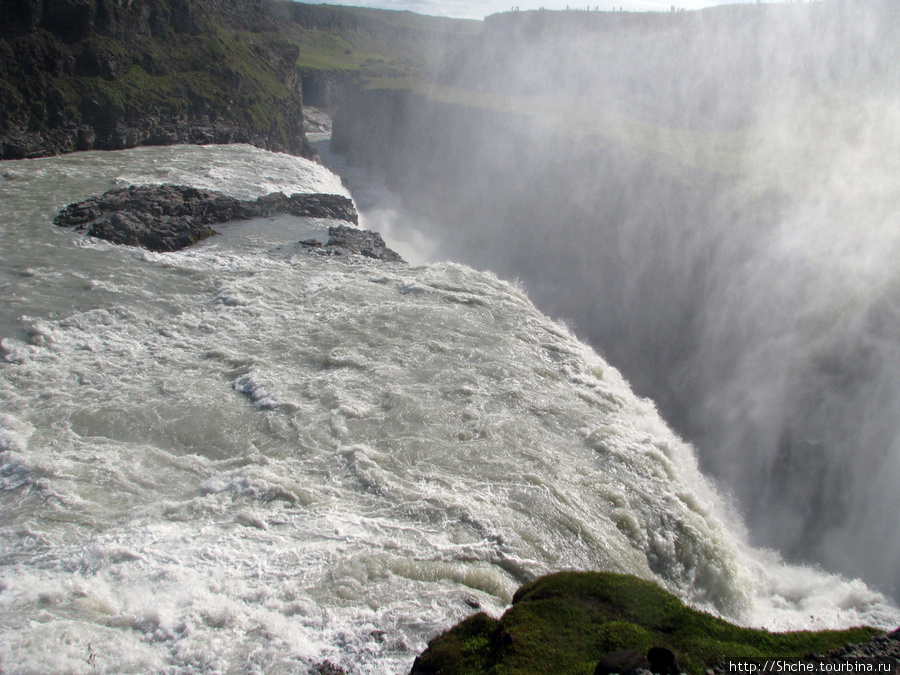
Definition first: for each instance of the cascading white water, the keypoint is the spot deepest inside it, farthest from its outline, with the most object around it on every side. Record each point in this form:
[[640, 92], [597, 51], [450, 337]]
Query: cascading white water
[[244, 458], [711, 199]]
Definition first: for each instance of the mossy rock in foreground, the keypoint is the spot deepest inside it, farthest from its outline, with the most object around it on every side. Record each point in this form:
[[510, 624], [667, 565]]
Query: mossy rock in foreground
[[567, 622]]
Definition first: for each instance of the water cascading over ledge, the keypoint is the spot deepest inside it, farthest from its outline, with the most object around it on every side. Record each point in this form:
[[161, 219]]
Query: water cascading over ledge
[[723, 233]]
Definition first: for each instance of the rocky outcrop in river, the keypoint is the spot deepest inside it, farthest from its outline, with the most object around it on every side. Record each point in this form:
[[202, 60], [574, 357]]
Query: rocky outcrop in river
[[345, 241], [172, 217]]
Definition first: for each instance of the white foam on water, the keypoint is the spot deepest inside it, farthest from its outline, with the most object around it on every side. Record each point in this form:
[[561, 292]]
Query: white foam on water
[[242, 458]]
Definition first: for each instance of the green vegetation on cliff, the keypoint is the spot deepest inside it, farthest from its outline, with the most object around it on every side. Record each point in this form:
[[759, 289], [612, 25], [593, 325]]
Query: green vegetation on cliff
[[146, 74], [94, 73], [567, 622], [372, 43]]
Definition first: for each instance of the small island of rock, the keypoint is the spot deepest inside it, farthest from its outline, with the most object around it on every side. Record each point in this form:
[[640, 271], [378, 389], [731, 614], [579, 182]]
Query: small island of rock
[[171, 217]]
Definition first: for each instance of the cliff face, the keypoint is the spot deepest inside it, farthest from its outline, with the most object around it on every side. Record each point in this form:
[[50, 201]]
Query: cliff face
[[83, 74], [79, 19]]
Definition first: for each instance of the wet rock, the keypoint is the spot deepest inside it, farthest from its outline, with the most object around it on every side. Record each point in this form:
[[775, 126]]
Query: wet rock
[[881, 653], [659, 661], [328, 668], [346, 241], [172, 217], [886, 646], [317, 205], [623, 662], [663, 661]]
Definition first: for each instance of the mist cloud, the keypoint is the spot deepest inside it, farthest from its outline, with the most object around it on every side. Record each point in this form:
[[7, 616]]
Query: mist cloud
[[711, 200]]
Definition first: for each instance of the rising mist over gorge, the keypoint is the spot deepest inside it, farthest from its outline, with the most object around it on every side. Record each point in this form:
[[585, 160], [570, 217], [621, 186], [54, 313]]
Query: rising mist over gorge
[[711, 198]]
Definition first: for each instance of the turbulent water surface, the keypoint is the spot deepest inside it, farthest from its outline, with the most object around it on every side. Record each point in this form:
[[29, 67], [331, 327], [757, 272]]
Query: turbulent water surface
[[245, 458]]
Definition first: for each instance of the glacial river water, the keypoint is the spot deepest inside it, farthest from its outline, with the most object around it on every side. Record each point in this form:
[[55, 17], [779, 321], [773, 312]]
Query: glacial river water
[[241, 458]]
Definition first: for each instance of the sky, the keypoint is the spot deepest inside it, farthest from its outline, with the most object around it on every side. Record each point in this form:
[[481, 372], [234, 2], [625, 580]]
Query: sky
[[478, 9]]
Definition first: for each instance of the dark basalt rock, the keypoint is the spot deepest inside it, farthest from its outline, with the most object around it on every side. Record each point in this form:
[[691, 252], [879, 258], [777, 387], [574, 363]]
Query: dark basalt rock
[[110, 133], [663, 661], [172, 217], [659, 661], [880, 653], [328, 668], [623, 662], [345, 241]]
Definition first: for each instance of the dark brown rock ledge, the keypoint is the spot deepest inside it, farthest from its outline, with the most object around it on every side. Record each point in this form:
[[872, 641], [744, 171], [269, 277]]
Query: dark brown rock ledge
[[346, 241], [171, 217]]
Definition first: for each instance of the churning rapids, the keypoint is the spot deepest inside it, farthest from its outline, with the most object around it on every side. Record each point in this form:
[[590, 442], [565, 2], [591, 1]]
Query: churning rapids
[[244, 458]]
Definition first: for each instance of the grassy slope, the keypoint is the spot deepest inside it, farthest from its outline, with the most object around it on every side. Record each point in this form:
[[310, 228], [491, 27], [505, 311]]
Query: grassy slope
[[566, 622], [374, 43]]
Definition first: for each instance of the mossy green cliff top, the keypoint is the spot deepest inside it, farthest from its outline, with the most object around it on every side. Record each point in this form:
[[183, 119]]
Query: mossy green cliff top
[[567, 622]]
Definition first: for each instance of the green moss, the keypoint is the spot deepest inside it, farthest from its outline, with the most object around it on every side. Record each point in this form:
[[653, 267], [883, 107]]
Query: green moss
[[465, 649], [215, 74], [374, 43], [566, 622], [614, 635]]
